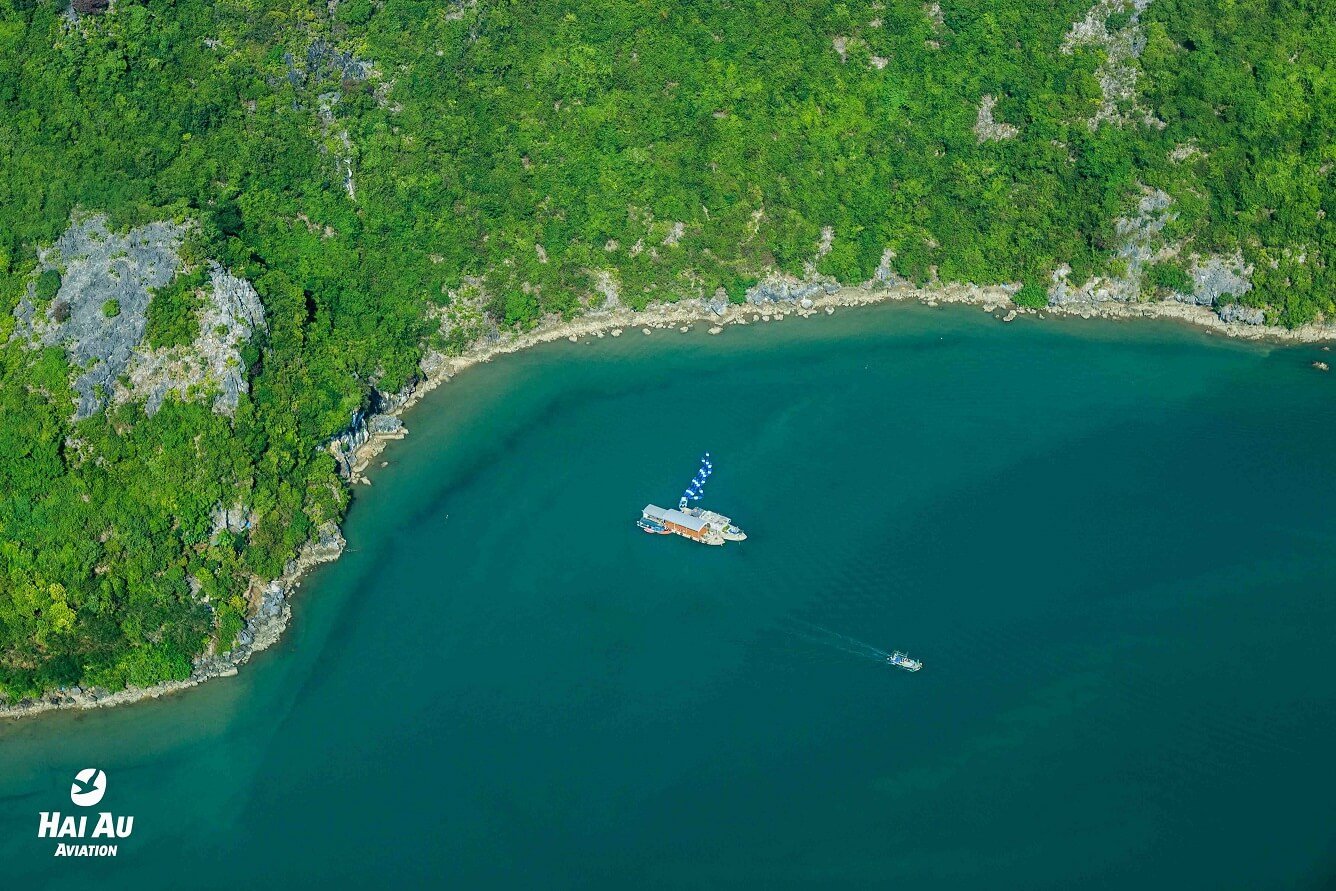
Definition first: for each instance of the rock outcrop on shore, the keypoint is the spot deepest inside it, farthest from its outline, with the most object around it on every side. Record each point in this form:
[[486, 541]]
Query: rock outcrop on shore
[[1139, 245], [789, 289], [1248, 315], [262, 631], [1216, 281]]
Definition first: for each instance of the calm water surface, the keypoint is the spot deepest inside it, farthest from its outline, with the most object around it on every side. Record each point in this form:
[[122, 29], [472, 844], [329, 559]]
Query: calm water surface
[[1110, 544]]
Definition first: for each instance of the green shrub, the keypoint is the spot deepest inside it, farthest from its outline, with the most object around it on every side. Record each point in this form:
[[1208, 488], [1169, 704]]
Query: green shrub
[[736, 286], [228, 218], [111, 309], [355, 12], [230, 623], [1170, 276], [1119, 20], [1032, 295], [172, 311], [48, 284]]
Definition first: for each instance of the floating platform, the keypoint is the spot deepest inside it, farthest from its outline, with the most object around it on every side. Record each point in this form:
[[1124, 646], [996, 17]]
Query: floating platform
[[697, 524]]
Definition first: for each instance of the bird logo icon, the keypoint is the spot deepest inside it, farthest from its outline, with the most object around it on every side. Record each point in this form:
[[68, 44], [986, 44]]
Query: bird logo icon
[[90, 784]]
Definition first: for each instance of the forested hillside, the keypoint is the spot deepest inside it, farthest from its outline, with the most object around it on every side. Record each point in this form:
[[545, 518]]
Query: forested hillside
[[356, 164]]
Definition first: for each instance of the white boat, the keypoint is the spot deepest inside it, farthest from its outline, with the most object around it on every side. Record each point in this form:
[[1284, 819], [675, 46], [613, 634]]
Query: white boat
[[903, 660]]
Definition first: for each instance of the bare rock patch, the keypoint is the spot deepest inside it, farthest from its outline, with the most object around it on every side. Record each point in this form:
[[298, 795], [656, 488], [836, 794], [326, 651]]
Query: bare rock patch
[[99, 268], [212, 363], [989, 130]]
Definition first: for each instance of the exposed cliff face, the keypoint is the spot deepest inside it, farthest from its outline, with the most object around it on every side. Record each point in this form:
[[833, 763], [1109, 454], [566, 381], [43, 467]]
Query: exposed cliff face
[[90, 7], [231, 314], [1140, 244], [1113, 27], [324, 66], [1216, 280], [100, 313], [986, 128], [100, 269]]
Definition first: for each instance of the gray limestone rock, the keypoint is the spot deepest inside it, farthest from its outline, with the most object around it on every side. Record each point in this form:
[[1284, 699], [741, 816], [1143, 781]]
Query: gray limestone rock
[[97, 267], [100, 314], [212, 363], [1217, 277], [1139, 238], [384, 424], [716, 304], [783, 289], [1248, 315]]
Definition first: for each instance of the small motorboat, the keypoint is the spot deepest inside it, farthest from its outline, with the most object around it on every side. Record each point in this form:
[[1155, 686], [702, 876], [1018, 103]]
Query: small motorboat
[[903, 661]]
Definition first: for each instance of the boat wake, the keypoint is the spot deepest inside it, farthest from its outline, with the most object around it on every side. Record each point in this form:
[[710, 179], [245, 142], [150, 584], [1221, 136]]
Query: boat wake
[[819, 634]]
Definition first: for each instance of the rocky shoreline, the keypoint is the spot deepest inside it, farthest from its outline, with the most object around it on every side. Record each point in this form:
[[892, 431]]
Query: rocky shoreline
[[801, 299], [261, 632]]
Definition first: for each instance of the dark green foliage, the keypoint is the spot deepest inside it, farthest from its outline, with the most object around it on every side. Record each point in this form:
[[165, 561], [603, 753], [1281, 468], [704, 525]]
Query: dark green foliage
[[1170, 276], [355, 12], [1118, 20], [1033, 295], [230, 622], [111, 309], [173, 311], [227, 218], [680, 148], [48, 284], [1252, 86]]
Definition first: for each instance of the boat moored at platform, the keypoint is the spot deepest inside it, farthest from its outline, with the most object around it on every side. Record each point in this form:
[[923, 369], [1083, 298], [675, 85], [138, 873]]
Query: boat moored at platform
[[697, 524], [652, 526]]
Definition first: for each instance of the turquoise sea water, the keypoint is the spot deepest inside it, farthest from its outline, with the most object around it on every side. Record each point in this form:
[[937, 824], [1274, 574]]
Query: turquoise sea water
[[1111, 545]]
